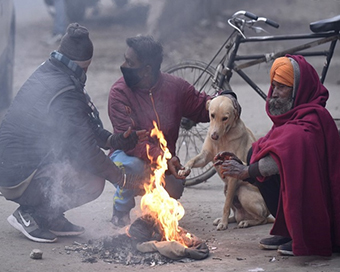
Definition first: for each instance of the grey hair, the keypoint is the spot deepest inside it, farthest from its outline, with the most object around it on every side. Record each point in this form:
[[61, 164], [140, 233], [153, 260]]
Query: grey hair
[[296, 70]]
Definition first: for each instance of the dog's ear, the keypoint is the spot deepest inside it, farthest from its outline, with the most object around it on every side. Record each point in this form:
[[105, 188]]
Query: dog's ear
[[236, 106], [207, 104]]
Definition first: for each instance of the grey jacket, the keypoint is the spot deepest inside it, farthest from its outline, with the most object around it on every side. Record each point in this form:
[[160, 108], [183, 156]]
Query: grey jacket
[[51, 120]]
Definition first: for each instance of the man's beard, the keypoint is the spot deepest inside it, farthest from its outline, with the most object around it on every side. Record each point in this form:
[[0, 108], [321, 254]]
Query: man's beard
[[278, 106]]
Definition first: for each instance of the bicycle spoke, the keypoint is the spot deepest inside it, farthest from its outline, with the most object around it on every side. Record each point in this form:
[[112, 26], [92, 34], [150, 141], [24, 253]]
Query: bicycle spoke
[[183, 144], [191, 135]]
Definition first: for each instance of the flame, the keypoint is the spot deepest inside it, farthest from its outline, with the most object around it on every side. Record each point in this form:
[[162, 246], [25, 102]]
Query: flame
[[156, 201]]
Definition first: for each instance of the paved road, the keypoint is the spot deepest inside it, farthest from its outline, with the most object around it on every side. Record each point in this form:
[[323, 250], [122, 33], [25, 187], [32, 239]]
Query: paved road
[[231, 250]]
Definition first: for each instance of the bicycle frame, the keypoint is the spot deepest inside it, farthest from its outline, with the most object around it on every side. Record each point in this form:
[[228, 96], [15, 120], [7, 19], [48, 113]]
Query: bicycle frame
[[318, 39], [216, 75]]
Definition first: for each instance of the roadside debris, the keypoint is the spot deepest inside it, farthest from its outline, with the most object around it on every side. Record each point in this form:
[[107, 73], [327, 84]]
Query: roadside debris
[[36, 254], [117, 250]]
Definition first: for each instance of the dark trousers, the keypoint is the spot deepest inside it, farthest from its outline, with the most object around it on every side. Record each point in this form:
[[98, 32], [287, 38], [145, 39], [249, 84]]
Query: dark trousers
[[57, 188], [269, 189]]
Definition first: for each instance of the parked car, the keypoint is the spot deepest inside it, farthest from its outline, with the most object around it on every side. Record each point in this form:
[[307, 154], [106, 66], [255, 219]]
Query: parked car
[[7, 42]]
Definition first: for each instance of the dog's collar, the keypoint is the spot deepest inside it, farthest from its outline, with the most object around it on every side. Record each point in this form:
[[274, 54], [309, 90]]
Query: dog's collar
[[227, 92], [233, 98]]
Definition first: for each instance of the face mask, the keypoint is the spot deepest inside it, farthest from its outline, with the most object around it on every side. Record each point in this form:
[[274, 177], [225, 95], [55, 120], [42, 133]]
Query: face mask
[[131, 76]]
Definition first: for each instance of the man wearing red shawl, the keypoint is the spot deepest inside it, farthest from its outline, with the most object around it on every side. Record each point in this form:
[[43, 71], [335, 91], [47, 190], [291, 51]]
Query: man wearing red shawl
[[296, 166]]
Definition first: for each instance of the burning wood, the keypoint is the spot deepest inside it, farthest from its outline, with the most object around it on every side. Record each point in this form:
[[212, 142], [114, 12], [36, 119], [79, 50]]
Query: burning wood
[[161, 214], [157, 232], [156, 202], [149, 237], [145, 229]]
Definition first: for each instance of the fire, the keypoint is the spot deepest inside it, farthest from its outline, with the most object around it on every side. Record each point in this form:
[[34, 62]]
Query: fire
[[156, 201]]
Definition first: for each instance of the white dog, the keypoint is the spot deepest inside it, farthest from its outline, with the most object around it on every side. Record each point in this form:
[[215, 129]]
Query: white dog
[[227, 132]]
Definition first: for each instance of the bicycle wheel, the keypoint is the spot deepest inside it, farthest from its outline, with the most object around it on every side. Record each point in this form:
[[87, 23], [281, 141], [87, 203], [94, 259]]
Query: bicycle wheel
[[191, 134]]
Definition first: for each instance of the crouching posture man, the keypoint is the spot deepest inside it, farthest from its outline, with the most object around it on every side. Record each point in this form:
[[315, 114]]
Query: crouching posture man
[[296, 165], [142, 96], [50, 144]]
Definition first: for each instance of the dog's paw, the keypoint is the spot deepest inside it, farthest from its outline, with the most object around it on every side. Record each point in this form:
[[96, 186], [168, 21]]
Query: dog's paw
[[217, 221], [243, 224], [185, 172], [220, 224]]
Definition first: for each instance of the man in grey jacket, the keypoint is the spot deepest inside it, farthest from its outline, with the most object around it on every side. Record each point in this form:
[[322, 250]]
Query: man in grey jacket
[[51, 141]]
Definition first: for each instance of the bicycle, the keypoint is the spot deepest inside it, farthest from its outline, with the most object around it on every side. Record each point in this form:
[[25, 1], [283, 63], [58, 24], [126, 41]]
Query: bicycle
[[212, 77]]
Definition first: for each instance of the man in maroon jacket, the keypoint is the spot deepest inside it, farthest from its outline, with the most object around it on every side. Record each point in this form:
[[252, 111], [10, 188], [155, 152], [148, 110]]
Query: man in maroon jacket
[[296, 165], [144, 95]]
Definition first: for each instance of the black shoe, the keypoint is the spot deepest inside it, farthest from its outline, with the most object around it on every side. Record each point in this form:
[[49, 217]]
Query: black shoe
[[25, 223], [60, 226], [286, 249], [273, 242], [120, 218]]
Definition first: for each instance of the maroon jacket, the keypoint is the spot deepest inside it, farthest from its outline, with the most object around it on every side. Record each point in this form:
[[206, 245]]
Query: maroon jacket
[[305, 144], [166, 103]]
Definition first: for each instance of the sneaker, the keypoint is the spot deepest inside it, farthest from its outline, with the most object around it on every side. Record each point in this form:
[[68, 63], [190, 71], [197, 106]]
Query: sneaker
[[62, 227], [120, 219], [273, 242], [286, 249], [25, 223]]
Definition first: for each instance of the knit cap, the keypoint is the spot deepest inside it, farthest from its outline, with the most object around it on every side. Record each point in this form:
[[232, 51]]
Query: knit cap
[[282, 71], [76, 43]]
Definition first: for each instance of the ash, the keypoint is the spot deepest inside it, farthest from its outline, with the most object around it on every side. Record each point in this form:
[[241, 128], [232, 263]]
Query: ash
[[119, 249]]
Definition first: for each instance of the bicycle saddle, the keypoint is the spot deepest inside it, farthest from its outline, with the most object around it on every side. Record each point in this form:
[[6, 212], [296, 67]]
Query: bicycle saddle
[[331, 24]]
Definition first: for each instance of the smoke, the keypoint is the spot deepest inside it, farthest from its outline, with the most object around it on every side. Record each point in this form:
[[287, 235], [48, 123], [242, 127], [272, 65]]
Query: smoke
[[65, 188]]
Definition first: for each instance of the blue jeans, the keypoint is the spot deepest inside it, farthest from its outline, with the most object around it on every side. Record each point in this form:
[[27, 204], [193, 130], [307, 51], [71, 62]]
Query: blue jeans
[[124, 199]]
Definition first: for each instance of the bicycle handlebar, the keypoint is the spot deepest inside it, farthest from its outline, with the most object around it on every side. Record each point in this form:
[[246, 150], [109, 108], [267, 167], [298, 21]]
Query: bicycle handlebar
[[272, 23], [256, 18], [251, 15], [245, 13]]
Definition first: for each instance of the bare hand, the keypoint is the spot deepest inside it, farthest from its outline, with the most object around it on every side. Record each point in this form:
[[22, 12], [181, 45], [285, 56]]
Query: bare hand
[[174, 166], [225, 155], [233, 168], [142, 135], [127, 140], [231, 165], [127, 133]]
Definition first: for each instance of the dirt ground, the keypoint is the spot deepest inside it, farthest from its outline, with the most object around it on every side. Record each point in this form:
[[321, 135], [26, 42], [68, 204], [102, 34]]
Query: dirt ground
[[230, 250]]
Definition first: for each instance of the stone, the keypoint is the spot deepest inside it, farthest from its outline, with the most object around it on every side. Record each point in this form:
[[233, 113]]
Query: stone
[[36, 254]]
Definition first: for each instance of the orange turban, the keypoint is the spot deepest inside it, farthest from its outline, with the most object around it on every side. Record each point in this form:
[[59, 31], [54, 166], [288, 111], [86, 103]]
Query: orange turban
[[282, 71]]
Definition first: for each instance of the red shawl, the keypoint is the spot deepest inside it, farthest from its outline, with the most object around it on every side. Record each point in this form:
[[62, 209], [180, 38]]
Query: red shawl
[[305, 144]]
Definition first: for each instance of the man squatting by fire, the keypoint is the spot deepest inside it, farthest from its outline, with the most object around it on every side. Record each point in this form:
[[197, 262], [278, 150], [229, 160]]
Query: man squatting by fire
[[296, 165], [51, 140], [143, 95]]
